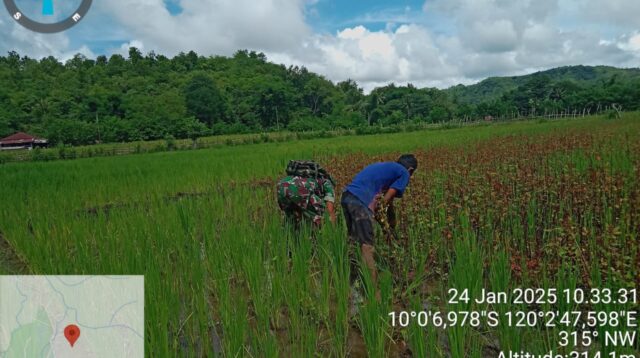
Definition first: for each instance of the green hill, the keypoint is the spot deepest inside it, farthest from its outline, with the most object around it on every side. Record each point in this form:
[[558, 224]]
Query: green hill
[[153, 97], [493, 88]]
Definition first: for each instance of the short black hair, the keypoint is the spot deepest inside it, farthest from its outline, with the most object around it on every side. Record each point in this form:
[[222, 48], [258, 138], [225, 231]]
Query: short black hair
[[408, 161]]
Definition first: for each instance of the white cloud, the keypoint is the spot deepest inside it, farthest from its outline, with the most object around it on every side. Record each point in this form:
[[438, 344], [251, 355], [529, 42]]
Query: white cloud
[[613, 12], [25, 42], [474, 39], [212, 27], [541, 38], [634, 42], [124, 48], [630, 43], [408, 54], [490, 38]]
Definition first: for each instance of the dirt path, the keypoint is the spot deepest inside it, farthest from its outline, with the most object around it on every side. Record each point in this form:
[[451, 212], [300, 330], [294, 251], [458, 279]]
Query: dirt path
[[10, 262]]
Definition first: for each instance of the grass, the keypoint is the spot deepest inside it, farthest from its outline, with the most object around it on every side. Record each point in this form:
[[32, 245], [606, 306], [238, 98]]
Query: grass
[[501, 205], [65, 152]]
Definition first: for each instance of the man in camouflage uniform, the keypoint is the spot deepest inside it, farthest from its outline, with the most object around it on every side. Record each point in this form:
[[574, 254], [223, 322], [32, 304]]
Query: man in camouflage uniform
[[306, 198]]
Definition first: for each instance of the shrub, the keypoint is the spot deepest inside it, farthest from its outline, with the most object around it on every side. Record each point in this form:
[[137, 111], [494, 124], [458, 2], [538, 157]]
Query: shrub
[[170, 142], [42, 155]]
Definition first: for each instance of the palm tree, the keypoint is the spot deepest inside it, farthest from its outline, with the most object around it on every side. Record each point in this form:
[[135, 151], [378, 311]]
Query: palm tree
[[47, 7]]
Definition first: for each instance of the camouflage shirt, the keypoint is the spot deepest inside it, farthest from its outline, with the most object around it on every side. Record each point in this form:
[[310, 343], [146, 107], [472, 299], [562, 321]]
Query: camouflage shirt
[[306, 196]]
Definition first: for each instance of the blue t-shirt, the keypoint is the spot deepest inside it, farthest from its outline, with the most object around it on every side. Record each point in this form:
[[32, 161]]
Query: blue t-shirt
[[377, 178]]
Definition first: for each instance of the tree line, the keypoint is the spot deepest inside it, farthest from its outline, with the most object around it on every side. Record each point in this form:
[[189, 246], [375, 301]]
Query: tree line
[[147, 97]]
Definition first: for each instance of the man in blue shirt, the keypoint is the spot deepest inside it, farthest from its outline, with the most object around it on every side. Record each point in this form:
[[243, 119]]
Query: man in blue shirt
[[359, 201]]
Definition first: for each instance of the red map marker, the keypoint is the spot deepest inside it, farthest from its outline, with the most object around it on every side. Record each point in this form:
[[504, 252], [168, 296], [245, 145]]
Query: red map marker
[[72, 333]]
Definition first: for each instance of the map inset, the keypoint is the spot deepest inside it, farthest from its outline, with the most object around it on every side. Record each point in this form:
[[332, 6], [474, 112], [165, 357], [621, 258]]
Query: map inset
[[71, 316]]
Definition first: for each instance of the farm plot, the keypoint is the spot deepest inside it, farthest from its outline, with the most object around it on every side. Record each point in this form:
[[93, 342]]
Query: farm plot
[[539, 205]]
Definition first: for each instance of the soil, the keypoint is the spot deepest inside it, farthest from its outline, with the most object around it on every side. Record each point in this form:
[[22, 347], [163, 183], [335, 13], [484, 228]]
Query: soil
[[10, 262]]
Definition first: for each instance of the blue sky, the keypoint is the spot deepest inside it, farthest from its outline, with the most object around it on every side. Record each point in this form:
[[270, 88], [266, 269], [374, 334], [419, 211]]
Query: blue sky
[[332, 15], [435, 43], [173, 6]]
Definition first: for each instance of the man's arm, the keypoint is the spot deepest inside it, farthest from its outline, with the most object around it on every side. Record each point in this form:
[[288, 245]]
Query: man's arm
[[390, 194], [331, 208], [391, 214], [329, 198]]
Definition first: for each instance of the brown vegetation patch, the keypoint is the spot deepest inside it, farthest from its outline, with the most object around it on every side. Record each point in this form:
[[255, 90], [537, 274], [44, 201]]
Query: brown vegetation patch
[[547, 200], [10, 260]]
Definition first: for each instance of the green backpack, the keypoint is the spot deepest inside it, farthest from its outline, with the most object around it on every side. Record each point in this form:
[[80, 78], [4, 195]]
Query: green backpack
[[307, 169]]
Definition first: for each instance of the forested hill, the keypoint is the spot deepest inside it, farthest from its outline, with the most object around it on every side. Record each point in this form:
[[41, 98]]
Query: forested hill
[[494, 87], [140, 97]]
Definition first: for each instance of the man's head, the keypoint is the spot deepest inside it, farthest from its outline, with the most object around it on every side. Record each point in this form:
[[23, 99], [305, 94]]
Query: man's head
[[408, 161]]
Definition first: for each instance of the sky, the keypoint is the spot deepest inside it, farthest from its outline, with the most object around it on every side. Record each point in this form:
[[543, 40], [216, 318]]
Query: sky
[[432, 43]]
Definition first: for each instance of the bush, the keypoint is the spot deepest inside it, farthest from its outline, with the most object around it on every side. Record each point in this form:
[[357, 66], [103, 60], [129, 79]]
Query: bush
[[392, 129], [66, 152], [411, 127], [170, 142], [367, 130], [42, 155], [449, 125], [308, 124], [612, 114]]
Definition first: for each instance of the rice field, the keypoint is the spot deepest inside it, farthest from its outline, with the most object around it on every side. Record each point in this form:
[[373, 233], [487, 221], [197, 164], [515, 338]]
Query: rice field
[[546, 204]]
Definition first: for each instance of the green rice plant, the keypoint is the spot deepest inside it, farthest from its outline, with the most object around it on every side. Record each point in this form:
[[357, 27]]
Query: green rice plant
[[566, 280], [500, 281], [466, 273], [233, 316], [335, 246], [549, 335], [255, 270], [422, 340], [610, 309], [156, 334], [373, 315], [279, 279], [299, 298], [324, 275]]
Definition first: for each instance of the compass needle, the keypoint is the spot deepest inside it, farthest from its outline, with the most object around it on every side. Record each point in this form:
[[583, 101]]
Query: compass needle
[[47, 7]]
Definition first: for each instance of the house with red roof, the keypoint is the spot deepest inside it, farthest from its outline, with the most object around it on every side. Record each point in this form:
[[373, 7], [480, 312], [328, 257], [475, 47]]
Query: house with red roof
[[22, 140]]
